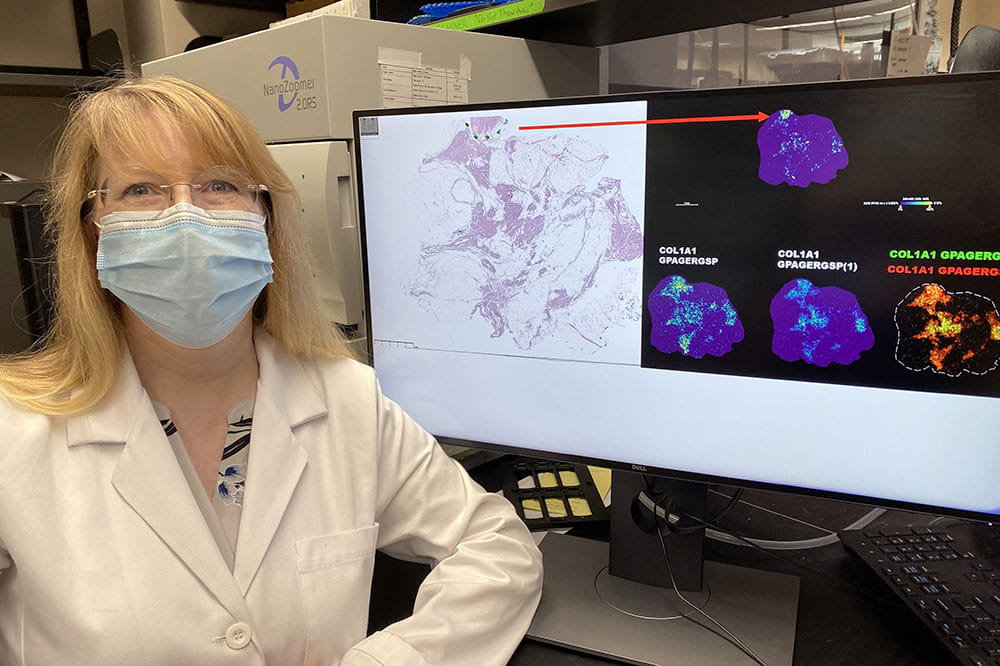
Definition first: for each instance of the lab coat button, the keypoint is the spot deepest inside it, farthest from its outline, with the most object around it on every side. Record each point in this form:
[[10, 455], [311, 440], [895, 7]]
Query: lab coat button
[[238, 635]]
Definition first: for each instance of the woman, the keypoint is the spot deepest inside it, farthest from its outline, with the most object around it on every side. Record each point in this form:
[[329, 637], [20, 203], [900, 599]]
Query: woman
[[194, 470]]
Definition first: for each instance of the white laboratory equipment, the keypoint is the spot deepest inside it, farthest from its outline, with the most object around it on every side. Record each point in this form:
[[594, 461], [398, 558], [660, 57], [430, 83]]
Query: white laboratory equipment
[[299, 83]]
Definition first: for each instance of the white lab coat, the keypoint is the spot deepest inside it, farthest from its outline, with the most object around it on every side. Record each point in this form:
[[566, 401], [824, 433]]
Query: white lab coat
[[105, 558]]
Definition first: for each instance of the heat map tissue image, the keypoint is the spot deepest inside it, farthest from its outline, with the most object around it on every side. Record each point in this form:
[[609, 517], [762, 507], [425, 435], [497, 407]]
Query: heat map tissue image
[[947, 332], [799, 150], [818, 325], [693, 319]]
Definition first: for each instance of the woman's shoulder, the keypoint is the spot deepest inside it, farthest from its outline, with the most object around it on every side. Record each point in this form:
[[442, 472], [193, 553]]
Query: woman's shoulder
[[14, 415], [345, 367], [319, 368], [22, 429], [343, 373]]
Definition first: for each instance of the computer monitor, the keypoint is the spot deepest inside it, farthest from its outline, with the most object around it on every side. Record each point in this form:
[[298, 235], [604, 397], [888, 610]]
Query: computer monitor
[[785, 287]]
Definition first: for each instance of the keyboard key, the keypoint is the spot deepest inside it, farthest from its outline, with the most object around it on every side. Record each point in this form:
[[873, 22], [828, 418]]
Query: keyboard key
[[965, 603], [939, 576]]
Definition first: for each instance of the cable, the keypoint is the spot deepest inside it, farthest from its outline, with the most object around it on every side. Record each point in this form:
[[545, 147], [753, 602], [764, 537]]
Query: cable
[[671, 519], [841, 583], [956, 27], [799, 544], [728, 635], [623, 611], [676, 614], [770, 547]]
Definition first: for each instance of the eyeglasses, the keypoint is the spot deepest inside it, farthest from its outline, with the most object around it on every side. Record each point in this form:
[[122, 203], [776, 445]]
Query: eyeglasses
[[216, 188]]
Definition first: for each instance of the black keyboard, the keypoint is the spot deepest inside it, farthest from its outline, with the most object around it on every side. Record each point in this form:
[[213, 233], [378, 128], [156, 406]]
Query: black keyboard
[[936, 574]]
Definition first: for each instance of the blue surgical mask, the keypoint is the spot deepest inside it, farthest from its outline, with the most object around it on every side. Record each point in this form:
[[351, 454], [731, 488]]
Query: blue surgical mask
[[189, 274]]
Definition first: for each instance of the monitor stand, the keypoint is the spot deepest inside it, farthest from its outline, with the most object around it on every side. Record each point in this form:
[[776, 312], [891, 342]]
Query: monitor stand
[[582, 606]]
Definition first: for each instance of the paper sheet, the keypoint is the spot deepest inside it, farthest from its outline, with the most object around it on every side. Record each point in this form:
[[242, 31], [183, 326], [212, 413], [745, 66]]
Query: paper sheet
[[406, 81]]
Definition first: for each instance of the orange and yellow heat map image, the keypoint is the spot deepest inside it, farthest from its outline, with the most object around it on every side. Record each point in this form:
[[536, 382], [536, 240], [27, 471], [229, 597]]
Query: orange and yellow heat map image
[[947, 332]]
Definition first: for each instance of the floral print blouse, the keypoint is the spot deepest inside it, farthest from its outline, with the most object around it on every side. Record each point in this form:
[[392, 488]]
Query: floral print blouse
[[227, 498]]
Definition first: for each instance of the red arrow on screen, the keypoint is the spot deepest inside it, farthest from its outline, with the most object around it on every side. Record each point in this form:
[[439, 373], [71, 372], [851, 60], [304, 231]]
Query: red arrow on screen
[[760, 117]]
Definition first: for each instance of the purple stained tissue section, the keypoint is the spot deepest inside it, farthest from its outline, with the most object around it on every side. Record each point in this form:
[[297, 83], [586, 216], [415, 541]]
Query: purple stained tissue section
[[818, 325], [799, 150], [532, 204], [484, 124], [693, 319]]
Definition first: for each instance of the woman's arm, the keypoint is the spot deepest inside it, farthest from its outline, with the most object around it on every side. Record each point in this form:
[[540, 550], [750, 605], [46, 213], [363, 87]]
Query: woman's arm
[[477, 602]]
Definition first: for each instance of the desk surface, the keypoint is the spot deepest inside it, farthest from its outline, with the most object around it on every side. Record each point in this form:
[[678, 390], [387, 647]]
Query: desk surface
[[841, 619]]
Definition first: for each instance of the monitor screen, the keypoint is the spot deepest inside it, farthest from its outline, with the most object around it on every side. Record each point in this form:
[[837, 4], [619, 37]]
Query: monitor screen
[[784, 287]]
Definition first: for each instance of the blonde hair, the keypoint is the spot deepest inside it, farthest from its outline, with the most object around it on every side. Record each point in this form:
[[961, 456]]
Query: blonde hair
[[80, 359]]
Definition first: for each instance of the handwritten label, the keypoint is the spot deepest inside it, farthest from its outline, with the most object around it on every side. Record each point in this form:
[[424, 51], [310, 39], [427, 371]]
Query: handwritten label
[[907, 54]]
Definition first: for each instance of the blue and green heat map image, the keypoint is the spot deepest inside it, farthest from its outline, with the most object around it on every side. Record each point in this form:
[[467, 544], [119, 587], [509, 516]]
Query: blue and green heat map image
[[693, 319], [799, 150], [818, 325]]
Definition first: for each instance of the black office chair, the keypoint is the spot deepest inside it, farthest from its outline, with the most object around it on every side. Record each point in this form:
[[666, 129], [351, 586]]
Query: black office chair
[[979, 51]]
